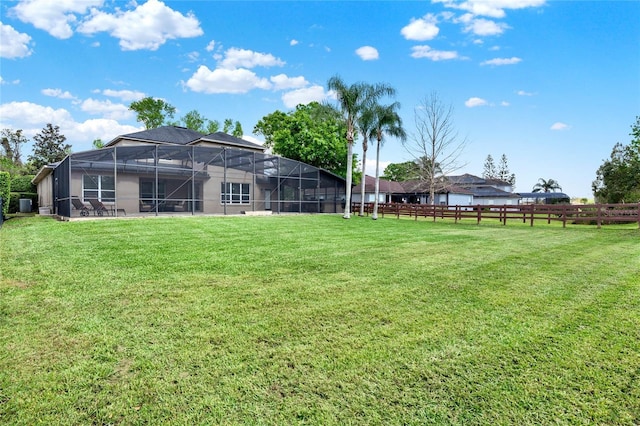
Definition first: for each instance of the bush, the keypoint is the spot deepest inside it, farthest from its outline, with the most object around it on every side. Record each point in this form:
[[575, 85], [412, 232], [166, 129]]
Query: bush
[[5, 189], [22, 183], [14, 201]]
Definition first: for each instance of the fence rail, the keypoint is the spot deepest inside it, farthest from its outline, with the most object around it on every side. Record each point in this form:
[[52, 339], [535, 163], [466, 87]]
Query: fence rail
[[597, 214]]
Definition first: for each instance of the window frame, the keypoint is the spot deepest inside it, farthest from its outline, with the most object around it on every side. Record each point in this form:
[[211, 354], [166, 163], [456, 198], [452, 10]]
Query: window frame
[[235, 193], [101, 193]]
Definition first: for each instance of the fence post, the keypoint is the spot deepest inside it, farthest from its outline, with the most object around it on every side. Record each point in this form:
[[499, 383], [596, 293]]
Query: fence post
[[599, 215], [479, 213], [533, 210], [564, 215]]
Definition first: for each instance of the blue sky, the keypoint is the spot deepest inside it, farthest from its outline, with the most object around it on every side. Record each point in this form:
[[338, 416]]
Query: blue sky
[[553, 85]]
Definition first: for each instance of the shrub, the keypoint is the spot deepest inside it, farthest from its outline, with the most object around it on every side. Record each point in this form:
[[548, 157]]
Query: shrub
[[22, 183], [5, 189]]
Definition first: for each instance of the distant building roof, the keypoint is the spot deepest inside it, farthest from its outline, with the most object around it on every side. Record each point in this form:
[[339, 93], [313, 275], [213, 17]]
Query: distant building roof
[[385, 186], [550, 195]]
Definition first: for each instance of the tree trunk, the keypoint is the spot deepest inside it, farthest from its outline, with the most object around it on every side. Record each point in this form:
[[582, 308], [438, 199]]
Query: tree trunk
[[364, 179], [347, 205], [374, 215]]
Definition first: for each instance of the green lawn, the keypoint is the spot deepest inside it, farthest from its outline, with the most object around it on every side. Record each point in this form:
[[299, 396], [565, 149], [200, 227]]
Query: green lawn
[[317, 320]]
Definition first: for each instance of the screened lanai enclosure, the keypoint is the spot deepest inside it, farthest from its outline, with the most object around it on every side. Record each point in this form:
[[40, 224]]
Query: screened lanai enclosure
[[162, 180]]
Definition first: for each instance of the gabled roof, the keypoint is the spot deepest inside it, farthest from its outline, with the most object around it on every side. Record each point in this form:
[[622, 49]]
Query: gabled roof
[[165, 134], [422, 187], [176, 135], [227, 139], [472, 180], [385, 186]]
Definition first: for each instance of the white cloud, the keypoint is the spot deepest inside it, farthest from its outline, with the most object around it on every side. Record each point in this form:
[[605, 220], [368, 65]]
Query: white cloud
[[148, 26], [211, 46], [13, 44], [28, 114], [124, 95], [304, 96], [367, 53], [504, 104], [283, 82], [293, 42], [370, 167], [32, 118], [53, 17], [523, 93], [223, 80], [421, 29], [560, 126], [425, 51], [484, 27], [243, 58], [491, 8], [502, 61], [475, 102], [58, 93], [107, 109]]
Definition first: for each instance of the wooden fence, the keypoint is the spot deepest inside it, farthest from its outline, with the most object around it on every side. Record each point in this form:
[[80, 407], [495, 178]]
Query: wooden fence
[[597, 214]]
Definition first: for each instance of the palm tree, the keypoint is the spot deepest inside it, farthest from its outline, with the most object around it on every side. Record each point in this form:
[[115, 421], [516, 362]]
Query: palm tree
[[365, 125], [546, 186], [385, 121], [353, 100]]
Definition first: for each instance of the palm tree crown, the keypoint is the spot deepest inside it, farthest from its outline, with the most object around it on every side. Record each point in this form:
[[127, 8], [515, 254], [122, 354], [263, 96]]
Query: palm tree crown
[[547, 186]]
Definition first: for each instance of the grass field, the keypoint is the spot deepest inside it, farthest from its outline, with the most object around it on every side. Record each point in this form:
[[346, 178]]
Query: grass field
[[317, 320]]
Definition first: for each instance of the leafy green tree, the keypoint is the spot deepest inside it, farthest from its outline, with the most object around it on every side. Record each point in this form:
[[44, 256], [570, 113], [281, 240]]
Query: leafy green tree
[[48, 148], [353, 99], [618, 178], [213, 126], [195, 121], [311, 134], [400, 172], [237, 130], [152, 112], [11, 143], [543, 185], [386, 121], [97, 143], [228, 124]]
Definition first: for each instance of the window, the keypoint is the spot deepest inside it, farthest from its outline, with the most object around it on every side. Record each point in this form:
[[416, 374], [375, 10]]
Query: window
[[101, 188], [234, 193]]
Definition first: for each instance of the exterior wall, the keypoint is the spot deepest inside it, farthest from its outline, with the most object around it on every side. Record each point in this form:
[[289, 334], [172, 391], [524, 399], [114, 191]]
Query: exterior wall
[[460, 200], [45, 192]]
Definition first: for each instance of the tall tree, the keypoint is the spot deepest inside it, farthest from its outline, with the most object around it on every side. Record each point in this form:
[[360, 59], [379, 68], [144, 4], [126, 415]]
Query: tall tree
[[195, 121], [311, 134], [489, 171], [400, 172], [152, 112], [436, 142], [237, 130], [503, 171], [213, 126], [352, 100], [11, 142], [228, 124], [618, 178], [386, 121], [49, 147], [543, 185]]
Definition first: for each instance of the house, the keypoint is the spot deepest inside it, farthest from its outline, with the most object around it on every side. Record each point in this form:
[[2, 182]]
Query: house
[[175, 170], [463, 190], [386, 190]]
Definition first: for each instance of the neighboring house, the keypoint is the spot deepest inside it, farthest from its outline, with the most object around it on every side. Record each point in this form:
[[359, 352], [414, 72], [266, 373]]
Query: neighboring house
[[177, 170], [486, 192], [450, 195], [386, 190], [544, 198]]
